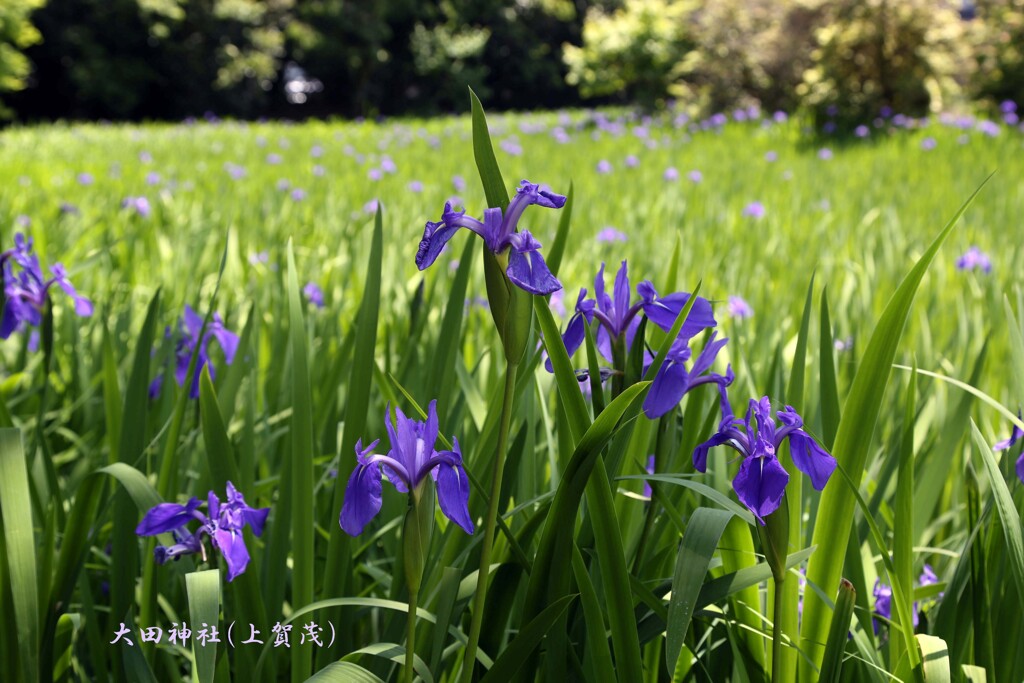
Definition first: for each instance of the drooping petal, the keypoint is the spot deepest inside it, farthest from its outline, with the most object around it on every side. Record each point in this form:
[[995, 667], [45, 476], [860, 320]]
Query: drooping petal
[[760, 485], [526, 194], [667, 390], [700, 453], [227, 339], [10, 319], [254, 517], [453, 491], [362, 499], [526, 267], [231, 544], [167, 517], [811, 459], [663, 311]]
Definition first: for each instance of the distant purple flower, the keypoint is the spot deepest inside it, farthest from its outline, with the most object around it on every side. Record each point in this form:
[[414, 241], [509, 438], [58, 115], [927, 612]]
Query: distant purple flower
[[671, 174], [771, 156], [928, 576], [604, 166], [761, 481], [314, 294], [371, 206], [235, 171], [259, 257], [388, 165], [511, 146], [415, 186], [1011, 119], [754, 210], [316, 151], [223, 526], [67, 208], [459, 183], [375, 174], [145, 157], [26, 290], [825, 153], [319, 171], [695, 176], [610, 234], [780, 117], [283, 184], [1008, 106], [632, 161], [739, 308], [85, 179], [152, 178], [412, 457], [974, 259], [928, 144], [22, 221], [526, 267], [843, 344], [274, 159], [298, 194], [989, 128], [557, 302], [139, 204], [829, 127], [189, 342], [862, 131]]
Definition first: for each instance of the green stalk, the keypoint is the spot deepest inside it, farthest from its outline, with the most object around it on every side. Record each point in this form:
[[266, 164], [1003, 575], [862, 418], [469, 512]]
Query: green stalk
[[777, 630], [410, 640], [479, 599]]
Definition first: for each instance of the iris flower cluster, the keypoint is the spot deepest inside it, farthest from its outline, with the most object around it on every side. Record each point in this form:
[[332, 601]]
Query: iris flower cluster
[[26, 289], [412, 456], [761, 480], [883, 596], [499, 230], [619, 318], [189, 328], [223, 524]]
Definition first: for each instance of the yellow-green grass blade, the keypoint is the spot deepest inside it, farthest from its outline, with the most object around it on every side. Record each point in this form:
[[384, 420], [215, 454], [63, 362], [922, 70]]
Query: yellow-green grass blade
[[203, 590], [19, 541], [301, 466]]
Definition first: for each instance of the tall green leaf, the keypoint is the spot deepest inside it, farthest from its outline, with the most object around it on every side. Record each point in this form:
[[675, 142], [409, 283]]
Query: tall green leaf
[[19, 540], [203, 590], [860, 413]]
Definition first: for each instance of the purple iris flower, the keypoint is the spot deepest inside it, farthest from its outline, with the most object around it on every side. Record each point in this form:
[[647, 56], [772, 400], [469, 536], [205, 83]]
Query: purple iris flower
[[862, 131], [223, 525], [883, 596], [1008, 443], [26, 289], [314, 294], [526, 267], [762, 480], [618, 318], [974, 259], [412, 456], [188, 342], [648, 491], [140, 204], [671, 173], [928, 144]]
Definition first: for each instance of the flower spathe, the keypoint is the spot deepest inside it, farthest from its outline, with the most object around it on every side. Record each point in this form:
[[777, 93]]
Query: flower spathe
[[526, 267], [26, 290], [761, 480], [223, 524], [412, 456]]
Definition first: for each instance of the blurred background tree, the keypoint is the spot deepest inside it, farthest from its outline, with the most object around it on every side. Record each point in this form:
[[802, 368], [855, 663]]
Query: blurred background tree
[[169, 59], [16, 34]]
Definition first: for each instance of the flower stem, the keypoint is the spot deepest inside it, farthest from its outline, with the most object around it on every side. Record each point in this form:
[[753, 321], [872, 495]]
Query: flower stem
[[410, 640], [780, 601], [479, 599]]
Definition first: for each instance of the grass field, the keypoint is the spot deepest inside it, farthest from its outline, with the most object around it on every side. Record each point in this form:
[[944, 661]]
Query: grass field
[[592, 577]]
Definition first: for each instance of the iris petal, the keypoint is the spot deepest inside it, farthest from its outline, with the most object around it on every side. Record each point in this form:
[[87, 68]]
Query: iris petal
[[760, 485]]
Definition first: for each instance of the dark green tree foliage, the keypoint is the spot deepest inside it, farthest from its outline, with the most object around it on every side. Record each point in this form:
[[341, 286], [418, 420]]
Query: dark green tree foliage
[[168, 59]]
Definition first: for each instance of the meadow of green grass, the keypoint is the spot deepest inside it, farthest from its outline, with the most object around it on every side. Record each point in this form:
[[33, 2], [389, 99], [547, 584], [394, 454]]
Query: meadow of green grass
[[243, 216]]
